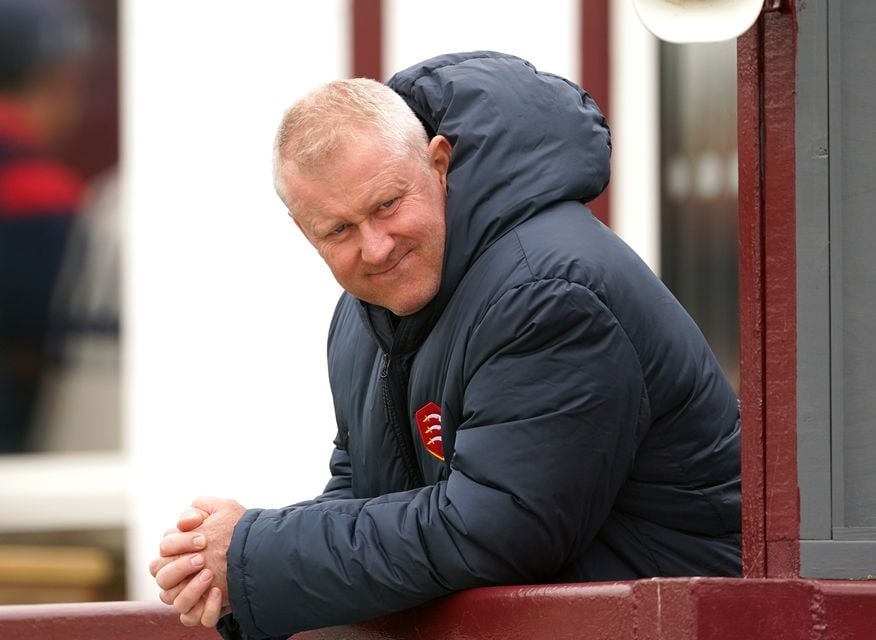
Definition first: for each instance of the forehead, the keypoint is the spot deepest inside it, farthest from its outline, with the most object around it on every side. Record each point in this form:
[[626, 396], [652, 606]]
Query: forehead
[[352, 178]]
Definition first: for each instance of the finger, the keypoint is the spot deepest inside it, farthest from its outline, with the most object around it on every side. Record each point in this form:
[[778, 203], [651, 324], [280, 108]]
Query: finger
[[212, 608], [191, 519], [158, 563], [192, 618], [167, 596], [176, 543], [155, 565], [207, 504], [175, 572], [191, 594]]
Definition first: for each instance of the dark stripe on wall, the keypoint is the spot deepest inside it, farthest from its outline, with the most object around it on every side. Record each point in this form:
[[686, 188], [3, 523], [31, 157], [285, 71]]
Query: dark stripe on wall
[[367, 49], [595, 74]]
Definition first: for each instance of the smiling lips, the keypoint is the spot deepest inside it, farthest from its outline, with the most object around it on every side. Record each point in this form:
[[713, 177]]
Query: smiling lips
[[386, 271]]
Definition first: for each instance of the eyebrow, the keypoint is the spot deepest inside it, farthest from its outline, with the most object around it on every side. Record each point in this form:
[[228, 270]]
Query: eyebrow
[[324, 228], [396, 184]]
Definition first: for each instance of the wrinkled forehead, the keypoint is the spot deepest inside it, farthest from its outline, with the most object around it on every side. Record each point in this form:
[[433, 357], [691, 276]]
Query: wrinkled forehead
[[351, 178], [358, 163]]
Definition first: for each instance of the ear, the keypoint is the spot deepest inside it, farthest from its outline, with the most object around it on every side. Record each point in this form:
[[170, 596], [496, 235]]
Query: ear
[[439, 157]]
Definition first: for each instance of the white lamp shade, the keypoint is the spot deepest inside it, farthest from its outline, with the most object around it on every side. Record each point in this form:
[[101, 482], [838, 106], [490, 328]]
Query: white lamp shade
[[698, 20]]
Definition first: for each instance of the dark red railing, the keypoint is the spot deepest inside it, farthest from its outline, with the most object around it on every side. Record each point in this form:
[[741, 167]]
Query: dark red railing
[[658, 609]]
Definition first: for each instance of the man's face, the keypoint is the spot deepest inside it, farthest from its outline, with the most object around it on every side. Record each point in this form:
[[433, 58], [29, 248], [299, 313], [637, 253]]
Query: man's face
[[377, 221]]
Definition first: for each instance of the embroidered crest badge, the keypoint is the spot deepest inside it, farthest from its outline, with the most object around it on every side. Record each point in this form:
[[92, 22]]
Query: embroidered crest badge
[[429, 424]]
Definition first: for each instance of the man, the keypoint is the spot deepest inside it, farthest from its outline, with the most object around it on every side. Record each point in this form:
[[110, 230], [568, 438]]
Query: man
[[42, 45], [519, 399]]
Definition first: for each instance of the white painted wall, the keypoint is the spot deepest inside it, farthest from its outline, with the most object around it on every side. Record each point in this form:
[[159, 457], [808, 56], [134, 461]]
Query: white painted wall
[[545, 33], [226, 307], [635, 187]]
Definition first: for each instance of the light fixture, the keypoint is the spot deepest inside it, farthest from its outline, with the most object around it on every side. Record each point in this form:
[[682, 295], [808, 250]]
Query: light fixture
[[698, 20]]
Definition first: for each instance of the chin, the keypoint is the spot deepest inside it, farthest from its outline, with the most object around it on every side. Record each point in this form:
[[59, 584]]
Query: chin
[[404, 305], [408, 308]]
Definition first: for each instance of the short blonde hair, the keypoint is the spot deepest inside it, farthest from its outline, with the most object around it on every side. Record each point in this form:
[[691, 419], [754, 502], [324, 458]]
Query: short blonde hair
[[318, 125]]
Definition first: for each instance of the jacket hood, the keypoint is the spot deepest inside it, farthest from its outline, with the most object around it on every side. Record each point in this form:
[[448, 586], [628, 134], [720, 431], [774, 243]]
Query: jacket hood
[[522, 140]]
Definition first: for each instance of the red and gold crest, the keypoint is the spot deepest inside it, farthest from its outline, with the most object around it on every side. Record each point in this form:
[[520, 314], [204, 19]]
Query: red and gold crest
[[429, 423]]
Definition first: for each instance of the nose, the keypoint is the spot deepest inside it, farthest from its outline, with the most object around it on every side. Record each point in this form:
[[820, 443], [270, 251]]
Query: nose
[[376, 245]]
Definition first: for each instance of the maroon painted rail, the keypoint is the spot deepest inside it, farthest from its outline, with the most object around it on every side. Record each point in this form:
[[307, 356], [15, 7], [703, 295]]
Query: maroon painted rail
[[659, 609], [95, 621]]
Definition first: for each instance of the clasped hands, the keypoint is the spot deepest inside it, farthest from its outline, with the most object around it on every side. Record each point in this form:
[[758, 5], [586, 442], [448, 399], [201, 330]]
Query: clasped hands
[[191, 569]]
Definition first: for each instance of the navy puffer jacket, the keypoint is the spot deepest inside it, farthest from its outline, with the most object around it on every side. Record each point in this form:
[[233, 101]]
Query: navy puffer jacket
[[587, 432]]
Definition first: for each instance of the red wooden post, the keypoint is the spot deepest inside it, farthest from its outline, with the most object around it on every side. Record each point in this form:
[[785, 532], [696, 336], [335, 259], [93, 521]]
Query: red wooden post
[[367, 36], [595, 75], [768, 302], [751, 301]]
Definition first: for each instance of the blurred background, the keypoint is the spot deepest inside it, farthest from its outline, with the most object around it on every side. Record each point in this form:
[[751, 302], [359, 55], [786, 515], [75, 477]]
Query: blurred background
[[162, 324]]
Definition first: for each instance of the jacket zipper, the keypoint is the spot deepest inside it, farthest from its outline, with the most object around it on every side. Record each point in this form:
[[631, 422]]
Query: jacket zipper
[[403, 435]]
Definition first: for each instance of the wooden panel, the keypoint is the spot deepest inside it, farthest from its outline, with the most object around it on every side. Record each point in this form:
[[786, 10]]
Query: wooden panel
[[813, 275], [850, 559], [37, 574], [855, 188], [54, 565], [836, 228]]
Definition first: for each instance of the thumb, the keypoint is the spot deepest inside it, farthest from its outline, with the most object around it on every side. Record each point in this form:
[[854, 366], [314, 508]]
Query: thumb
[[191, 519], [207, 504]]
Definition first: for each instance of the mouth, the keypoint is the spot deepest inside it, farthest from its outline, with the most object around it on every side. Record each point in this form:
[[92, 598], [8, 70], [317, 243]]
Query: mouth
[[392, 267]]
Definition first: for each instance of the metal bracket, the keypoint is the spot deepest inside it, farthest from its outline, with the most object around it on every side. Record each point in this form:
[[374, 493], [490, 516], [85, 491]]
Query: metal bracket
[[784, 6]]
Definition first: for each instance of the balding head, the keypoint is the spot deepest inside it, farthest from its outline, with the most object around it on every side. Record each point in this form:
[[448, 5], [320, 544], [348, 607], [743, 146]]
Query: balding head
[[322, 124]]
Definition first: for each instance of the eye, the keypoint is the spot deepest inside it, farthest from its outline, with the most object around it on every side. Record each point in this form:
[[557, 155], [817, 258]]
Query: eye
[[388, 204], [339, 229]]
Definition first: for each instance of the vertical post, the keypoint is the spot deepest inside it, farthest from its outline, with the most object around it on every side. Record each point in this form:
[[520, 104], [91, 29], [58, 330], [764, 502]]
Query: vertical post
[[768, 302], [367, 24], [595, 73], [749, 61]]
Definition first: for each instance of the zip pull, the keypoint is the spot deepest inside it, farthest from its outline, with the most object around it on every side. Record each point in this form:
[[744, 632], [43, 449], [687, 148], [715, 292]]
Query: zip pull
[[384, 366]]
